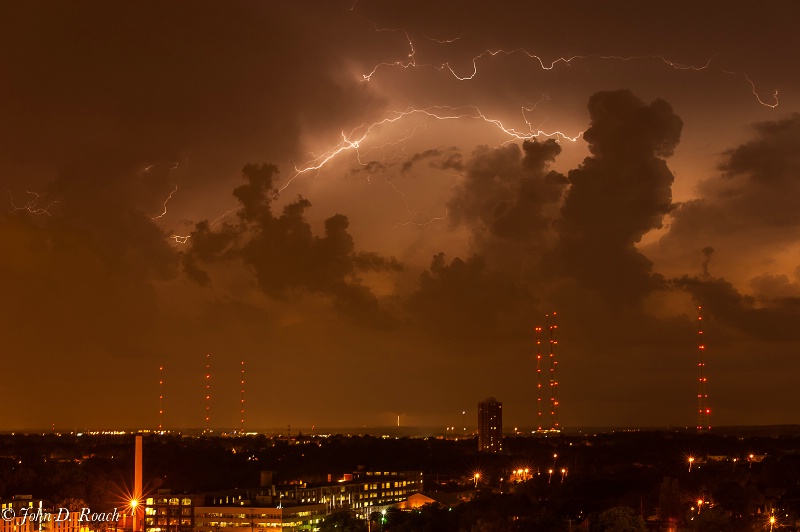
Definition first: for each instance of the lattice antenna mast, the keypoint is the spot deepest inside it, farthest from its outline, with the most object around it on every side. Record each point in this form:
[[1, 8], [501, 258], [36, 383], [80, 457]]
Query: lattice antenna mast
[[160, 398], [241, 428], [553, 374], [539, 376], [703, 410], [208, 393]]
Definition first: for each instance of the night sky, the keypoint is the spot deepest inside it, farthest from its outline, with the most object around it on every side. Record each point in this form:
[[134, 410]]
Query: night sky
[[374, 203]]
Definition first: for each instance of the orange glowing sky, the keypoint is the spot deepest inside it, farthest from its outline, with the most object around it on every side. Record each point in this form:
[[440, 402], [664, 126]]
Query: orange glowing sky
[[399, 256]]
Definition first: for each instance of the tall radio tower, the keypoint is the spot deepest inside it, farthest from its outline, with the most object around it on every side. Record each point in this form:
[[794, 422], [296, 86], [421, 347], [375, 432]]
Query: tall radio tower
[[160, 398], [241, 428], [539, 376], [553, 374], [703, 410], [208, 394], [552, 425]]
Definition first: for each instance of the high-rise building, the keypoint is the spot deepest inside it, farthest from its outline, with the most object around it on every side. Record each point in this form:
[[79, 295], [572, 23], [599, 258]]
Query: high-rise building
[[490, 426]]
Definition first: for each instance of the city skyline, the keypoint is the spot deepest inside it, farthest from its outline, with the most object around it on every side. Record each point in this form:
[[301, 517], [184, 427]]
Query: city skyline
[[373, 205]]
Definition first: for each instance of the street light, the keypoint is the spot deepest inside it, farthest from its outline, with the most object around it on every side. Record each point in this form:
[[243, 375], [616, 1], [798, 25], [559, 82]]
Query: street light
[[134, 504], [477, 477], [691, 461]]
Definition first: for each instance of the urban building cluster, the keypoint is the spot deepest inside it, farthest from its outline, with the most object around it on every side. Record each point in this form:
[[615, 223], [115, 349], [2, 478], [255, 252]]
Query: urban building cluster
[[294, 506]]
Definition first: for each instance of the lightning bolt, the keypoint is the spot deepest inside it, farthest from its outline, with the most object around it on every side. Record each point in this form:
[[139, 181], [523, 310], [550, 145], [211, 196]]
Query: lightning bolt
[[165, 203], [423, 224], [180, 239], [32, 206], [218, 219], [357, 136], [184, 239], [405, 64], [411, 62], [567, 61], [755, 92], [444, 41]]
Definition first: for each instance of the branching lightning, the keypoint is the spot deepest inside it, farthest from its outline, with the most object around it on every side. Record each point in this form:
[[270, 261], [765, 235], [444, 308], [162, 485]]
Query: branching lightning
[[356, 139], [565, 61], [411, 62], [32, 206], [357, 136]]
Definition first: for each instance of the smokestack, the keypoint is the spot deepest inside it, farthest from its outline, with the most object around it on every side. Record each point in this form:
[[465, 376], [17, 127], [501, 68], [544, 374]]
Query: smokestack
[[137, 485]]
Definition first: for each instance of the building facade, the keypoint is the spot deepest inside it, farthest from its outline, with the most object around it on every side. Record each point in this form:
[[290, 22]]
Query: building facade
[[362, 492], [490, 426], [285, 507], [244, 518], [170, 513]]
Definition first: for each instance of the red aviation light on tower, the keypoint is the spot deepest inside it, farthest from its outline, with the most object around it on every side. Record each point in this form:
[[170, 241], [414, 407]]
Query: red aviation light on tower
[[703, 410]]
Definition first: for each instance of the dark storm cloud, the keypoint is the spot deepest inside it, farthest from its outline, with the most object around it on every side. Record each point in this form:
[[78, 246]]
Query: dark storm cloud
[[463, 301], [529, 236], [440, 158], [758, 191], [708, 252], [506, 199], [751, 206], [776, 322], [444, 159], [505, 191], [148, 81], [85, 274], [774, 287], [618, 194], [287, 259], [371, 167]]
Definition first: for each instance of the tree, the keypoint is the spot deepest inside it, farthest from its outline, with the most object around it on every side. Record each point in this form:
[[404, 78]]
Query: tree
[[669, 500], [621, 519], [713, 519], [343, 522]]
